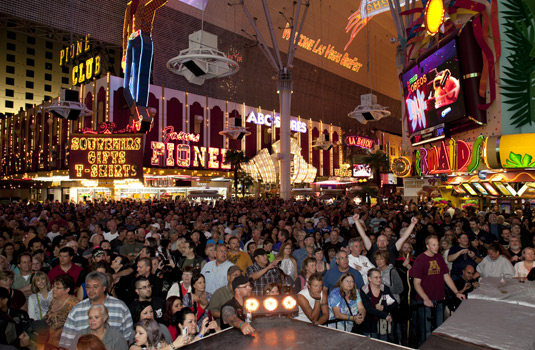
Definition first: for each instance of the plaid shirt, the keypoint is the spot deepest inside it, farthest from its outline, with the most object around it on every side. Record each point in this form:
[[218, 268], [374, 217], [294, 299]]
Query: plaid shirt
[[119, 319], [271, 276]]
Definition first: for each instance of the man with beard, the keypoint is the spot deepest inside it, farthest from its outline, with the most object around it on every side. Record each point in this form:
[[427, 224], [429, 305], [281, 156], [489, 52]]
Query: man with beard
[[515, 249]]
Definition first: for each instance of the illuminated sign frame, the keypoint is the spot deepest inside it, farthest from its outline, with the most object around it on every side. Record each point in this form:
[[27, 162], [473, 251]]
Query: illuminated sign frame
[[106, 156], [182, 155]]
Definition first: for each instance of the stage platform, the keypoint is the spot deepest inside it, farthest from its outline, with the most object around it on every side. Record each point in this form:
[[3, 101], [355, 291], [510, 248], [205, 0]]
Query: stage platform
[[283, 333]]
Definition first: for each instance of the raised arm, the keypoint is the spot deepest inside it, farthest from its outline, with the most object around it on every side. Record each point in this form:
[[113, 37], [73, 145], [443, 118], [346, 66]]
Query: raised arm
[[362, 232], [406, 234]]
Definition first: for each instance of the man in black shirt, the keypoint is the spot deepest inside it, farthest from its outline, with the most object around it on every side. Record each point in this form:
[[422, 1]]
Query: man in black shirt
[[232, 312]]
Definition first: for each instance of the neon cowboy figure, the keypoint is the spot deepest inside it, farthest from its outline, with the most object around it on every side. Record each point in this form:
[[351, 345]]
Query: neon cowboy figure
[[137, 57]]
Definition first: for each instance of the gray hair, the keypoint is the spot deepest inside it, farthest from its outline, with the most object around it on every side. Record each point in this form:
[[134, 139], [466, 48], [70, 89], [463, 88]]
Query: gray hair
[[103, 309], [99, 276]]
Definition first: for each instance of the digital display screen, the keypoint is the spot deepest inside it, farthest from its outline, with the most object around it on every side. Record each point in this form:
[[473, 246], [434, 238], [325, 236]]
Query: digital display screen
[[480, 188], [491, 189], [433, 90], [362, 170], [470, 189], [502, 188], [459, 190]]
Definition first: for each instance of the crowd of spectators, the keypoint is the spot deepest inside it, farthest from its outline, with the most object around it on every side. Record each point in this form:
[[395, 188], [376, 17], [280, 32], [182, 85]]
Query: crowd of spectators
[[162, 274]]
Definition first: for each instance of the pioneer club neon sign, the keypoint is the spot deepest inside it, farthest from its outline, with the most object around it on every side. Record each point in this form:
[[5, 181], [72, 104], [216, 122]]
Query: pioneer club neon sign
[[169, 154]]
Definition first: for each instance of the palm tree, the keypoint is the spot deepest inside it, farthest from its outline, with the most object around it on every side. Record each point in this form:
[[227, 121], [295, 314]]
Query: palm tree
[[379, 163], [235, 158], [245, 180]]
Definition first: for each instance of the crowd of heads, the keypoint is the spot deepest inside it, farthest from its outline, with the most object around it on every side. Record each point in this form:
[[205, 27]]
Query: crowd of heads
[[169, 241]]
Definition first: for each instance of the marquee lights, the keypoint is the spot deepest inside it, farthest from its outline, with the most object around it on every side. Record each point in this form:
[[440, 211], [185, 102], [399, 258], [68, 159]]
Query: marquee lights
[[181, 155], [458, 156], [104, 156]]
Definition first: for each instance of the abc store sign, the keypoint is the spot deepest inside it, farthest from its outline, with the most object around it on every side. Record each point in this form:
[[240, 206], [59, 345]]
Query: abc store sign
[[268, 120]]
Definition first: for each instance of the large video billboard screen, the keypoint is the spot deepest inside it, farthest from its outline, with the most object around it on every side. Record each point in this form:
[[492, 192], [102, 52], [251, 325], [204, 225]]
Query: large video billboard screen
[[433, 90]]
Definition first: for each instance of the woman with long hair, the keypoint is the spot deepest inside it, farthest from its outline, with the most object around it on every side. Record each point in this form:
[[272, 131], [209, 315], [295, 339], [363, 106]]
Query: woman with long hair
[[172, 306], [98, 326], [321, 265], [149, 337], [197, 300], [345, 304], [144, 311], [186, 323], [41, 297], [62, 302], [523, 267], [308, 269], [288, 265]]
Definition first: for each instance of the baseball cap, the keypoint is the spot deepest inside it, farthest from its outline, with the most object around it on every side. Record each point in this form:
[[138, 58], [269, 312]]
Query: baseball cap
[[259, 251], [309, 235], [238, 281]]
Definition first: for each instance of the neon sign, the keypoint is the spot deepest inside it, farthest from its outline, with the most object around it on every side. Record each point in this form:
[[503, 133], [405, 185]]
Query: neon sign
[[105, 156], [268, 120], [169, 154], [170, 134], [326, 51], [359, 141], [457, 156]]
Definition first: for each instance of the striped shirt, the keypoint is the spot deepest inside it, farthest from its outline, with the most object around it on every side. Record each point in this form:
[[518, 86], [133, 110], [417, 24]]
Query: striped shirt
[[119, 319]]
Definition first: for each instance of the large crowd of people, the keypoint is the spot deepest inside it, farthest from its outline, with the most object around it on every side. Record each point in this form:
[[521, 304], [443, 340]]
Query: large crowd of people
[[162, 274]]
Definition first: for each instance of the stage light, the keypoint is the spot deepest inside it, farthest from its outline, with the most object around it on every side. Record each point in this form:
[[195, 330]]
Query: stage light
[[271, 304], [252, 305], [289, 302]]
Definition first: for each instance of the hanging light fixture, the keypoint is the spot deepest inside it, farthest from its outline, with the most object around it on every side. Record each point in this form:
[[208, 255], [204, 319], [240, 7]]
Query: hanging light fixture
[[202, 60], [369, 109]]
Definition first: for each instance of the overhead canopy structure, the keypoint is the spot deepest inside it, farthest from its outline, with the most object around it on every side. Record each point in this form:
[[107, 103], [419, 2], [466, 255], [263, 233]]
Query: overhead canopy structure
[[326, 32]]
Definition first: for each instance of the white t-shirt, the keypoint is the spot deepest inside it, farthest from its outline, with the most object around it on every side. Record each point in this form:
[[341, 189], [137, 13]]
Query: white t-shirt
[[363, 262], [301, 315]]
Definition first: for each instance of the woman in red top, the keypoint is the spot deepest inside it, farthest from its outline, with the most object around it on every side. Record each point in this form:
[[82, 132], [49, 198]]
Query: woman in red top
[[199, 298]]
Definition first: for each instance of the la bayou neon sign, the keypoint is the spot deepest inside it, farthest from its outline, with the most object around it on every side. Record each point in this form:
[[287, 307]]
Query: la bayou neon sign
[[170, 154], [457, 156]]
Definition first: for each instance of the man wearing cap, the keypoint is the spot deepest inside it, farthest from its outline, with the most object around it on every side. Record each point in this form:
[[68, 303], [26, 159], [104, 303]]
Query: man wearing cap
[[302, 253], [223, 294], [262, 272], [232, 313], [65, 266]]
